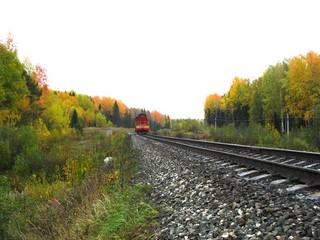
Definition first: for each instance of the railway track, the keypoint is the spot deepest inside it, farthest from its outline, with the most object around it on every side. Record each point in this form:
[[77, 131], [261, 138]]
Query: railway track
[[205, 196], [298, 166]]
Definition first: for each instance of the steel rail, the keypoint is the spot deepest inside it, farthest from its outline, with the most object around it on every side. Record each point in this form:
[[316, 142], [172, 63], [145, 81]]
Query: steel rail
[[310, 176], [310, 156]]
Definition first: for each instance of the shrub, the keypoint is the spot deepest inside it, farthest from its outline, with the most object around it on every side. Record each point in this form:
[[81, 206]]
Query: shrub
[[15, 208], [255, 134], [28, 159], [7, 148], [101, 120], [82, 166], [5, 153], [123, 156]]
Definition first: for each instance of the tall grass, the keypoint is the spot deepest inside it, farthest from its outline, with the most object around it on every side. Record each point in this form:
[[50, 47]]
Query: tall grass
[[52, 219], [80, 199], [121, 215]]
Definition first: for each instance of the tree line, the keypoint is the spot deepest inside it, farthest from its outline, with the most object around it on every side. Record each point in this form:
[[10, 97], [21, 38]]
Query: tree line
[[285, 98], [27, 100]]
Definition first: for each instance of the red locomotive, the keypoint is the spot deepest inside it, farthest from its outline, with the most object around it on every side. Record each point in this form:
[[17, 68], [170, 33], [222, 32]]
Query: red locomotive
[[142, 125]]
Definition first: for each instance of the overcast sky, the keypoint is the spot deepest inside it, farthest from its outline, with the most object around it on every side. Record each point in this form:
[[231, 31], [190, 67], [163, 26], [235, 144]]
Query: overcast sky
[[159, 55]]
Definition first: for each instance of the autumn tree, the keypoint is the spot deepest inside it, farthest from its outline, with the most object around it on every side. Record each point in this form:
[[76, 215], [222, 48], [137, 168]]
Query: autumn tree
[[256, 105], [122, 108], [101, 120], [97, 103], [40, 77], [107, 104], [13, 89], [211, 108], [238, 99], [87, 109], [53, 114], [156, 120], [69, 102], [304, 86], [272, 89]]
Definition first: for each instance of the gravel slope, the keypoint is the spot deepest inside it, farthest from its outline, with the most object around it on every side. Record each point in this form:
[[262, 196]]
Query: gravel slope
[[200, 201]]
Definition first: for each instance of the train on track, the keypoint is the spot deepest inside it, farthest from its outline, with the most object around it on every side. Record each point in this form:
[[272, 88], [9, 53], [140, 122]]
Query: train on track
[[142, 124]]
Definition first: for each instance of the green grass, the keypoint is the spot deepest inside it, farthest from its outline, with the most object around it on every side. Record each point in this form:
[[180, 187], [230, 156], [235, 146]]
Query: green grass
[[122, 215]]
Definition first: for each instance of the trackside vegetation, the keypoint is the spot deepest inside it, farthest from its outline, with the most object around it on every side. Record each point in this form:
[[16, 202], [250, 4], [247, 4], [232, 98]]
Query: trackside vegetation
[[281, 108], [54, 183], [85, 199]]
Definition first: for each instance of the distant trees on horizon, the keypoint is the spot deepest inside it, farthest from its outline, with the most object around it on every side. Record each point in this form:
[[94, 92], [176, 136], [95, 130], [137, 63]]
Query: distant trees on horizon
[[25, 98], [285, 97]]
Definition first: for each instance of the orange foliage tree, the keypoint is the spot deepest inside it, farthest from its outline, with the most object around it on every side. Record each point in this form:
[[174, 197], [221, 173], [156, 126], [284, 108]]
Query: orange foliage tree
[[40, 77], [156, 117], [211, 108]]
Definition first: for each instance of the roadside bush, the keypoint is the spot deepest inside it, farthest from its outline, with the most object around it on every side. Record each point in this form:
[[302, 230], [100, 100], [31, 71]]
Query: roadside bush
[[304, 139], [299, 144], [80, 167], [29, 158], [187, 125], [7, 151], [12, 204], [269, 137], [224, 134], [123, 157], [164, 132], [4, 185]]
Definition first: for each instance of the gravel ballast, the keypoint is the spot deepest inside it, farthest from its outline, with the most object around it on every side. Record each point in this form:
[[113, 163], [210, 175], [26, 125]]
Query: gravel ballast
[[199, 200]]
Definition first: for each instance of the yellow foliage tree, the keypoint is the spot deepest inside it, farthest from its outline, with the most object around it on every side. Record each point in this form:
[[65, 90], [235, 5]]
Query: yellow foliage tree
[[239, 94], [211, 106], [213, 102], [304, 86]]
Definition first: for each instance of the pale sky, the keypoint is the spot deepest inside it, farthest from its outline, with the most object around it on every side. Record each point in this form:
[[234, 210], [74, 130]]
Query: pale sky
[[159, 55]]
